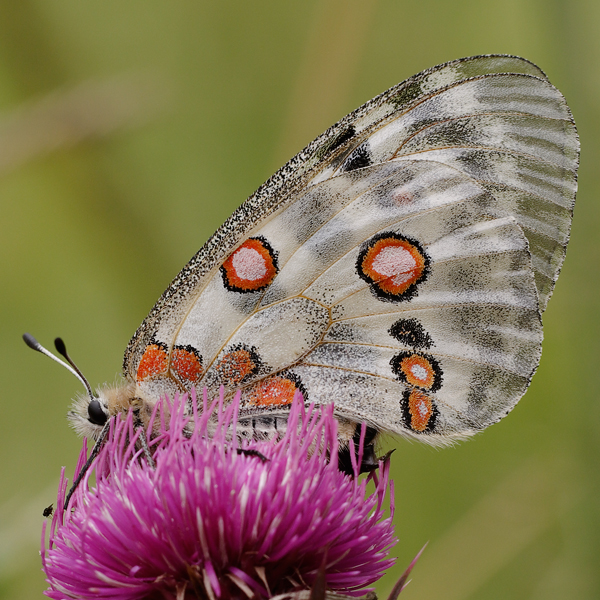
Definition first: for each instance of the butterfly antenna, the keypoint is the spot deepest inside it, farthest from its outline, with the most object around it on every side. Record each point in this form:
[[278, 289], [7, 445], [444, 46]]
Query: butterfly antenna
[[62, 350]]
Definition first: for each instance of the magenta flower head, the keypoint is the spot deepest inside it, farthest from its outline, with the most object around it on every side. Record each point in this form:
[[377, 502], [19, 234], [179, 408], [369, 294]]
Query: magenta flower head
[[216, 518]]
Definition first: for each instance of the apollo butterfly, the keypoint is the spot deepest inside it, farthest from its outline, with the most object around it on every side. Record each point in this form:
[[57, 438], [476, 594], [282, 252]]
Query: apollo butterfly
[[398, 266]]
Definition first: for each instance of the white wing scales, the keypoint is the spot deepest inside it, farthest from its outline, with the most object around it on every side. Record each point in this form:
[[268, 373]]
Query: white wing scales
[[398, 266], [284, 332], [396, 193]]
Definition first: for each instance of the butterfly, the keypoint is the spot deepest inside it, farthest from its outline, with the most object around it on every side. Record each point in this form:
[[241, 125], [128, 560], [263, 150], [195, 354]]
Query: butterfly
[[398, 266]]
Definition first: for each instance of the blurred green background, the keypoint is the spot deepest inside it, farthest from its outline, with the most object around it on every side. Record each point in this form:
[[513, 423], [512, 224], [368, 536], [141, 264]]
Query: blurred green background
[[130, 130]]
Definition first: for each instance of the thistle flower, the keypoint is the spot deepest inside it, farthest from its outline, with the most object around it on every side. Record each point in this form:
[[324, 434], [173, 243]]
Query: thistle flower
[[215, 519]]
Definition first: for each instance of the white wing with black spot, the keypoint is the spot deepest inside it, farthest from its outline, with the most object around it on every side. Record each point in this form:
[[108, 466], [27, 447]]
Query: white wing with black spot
[[397, 266]]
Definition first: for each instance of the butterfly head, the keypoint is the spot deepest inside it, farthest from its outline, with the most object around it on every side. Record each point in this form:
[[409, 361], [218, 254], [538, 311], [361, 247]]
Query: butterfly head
[[91, 411]]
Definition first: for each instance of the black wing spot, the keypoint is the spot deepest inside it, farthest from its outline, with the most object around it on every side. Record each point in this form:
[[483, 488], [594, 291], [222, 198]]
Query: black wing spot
[[411, 333], [339, 140], [342, 138], [358, 159]]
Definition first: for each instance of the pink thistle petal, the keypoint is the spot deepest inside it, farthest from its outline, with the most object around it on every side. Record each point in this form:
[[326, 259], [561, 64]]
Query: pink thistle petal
[[213, 521], [401, 584]]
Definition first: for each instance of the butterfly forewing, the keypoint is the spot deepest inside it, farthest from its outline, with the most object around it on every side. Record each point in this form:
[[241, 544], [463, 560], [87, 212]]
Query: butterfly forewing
[[397, 266]]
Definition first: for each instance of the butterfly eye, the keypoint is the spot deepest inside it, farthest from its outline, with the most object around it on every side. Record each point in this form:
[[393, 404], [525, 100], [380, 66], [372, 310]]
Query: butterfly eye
[[97, 416]]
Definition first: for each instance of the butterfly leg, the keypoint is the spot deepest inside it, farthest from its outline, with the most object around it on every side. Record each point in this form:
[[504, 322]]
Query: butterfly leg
[[145, 448], [139, 425], [88, 463], [252, 452], [368, 462]]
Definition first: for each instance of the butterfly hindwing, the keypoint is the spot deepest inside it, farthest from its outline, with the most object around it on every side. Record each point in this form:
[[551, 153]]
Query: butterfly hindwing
[[397, 266]]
